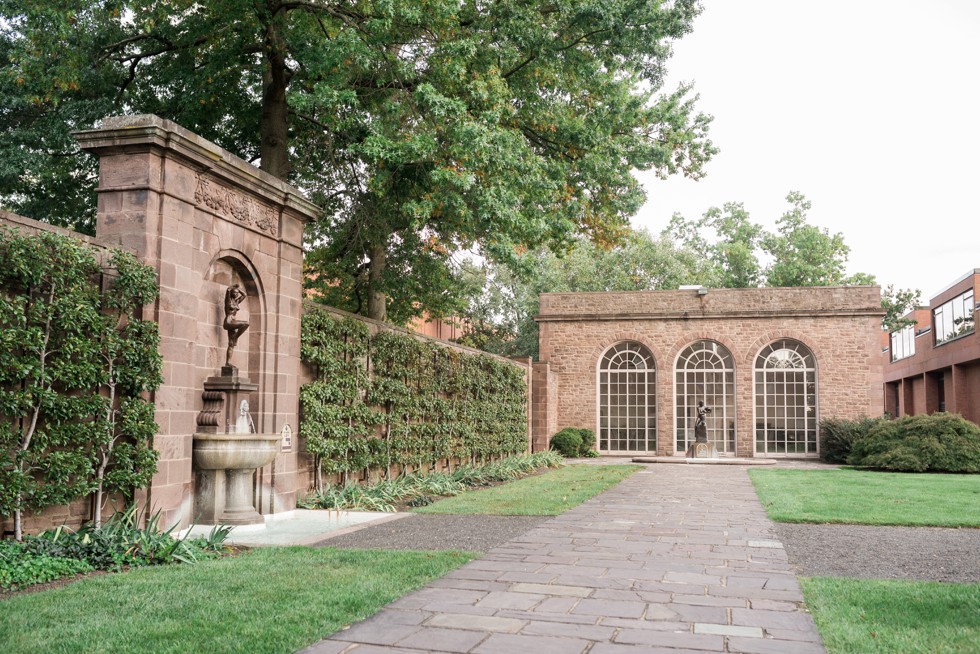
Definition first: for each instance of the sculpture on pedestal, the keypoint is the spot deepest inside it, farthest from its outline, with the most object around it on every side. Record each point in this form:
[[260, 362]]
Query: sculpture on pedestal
[[235, 327], [700, 427]]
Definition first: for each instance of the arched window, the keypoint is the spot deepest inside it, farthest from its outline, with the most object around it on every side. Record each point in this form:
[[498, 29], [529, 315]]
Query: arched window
[[785, 399], [627, 399], [706, 371]]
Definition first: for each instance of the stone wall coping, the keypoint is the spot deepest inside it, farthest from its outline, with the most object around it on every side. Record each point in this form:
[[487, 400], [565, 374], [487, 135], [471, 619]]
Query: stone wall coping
[[120, 134], [13, 221], [714, 303], [686, 315], [523, 362]]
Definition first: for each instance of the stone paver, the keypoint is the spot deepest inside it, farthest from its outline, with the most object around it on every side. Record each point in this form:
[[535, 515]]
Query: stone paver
[[674, 559]]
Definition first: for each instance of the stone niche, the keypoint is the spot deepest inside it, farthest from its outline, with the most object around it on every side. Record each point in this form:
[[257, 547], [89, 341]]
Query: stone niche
[[205, 219]]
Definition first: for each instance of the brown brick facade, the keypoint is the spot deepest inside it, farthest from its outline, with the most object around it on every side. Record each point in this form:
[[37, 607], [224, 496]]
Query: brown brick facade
[[839, 325], [936, 377]]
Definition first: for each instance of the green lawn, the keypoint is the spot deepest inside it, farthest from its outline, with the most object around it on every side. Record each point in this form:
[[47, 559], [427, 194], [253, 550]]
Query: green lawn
[[550, 493], [869, 498], [860, 616], [263, 601]]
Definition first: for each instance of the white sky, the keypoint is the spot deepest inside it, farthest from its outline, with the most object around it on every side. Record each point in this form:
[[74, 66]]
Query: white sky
[[871, 108]]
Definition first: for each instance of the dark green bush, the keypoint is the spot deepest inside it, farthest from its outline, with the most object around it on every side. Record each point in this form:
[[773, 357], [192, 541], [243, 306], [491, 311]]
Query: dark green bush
[[587, 448], [121, 542], [567, 442], [19, 568], [838, 435], [940, 442]]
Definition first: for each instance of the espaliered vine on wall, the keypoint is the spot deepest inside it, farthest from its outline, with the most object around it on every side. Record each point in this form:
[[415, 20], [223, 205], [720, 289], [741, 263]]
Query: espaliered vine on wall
[[76, 363], [393, 400]]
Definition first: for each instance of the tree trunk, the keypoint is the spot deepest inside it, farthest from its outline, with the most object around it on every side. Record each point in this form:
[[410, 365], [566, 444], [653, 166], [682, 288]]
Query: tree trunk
[[275, 112], [377, 299]]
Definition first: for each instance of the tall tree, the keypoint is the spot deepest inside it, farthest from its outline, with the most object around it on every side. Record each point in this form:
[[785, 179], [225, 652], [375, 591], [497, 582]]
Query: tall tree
[[732, 252], [501, 312], [804, 254], [421, 127], [799, 254]]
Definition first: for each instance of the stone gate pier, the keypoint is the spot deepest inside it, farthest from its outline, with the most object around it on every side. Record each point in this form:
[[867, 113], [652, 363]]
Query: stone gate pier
[[205, 220]]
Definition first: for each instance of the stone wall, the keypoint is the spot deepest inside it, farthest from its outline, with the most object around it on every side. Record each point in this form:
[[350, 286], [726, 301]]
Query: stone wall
[[205, 219], [840, 325]]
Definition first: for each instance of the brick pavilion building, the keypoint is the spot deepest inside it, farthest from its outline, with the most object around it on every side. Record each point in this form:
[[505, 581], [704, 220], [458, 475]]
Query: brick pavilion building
[[769, 362]]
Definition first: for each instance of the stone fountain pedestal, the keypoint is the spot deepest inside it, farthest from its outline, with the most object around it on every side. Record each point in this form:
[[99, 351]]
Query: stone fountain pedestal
[[225, 466], [227, 453]]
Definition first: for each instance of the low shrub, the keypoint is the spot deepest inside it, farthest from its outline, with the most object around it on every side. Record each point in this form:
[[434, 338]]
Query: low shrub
[[940, 442], [416, 489], [19, 568], [567, 442], [838, 435], [121, 542], [587, 449]]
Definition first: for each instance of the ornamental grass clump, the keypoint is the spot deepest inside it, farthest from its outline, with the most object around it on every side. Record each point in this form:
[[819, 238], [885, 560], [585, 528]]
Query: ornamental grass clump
[[417, 489], [120, 542]]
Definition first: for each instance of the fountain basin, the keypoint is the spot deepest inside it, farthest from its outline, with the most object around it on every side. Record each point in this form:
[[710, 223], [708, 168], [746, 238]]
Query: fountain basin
[[235, 451], [224, 491]]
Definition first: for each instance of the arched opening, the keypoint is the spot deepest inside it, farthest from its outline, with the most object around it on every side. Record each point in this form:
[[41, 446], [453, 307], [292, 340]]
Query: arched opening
[[705, 372], [785, 399], [627, 399]]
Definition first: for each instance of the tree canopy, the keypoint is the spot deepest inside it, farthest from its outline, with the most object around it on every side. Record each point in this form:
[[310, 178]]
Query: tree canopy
[[722, 249], [422, 128], [504, 299]]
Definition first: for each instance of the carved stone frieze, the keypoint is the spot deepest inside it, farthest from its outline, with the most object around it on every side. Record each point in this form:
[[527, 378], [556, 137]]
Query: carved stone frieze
[[232, 204]]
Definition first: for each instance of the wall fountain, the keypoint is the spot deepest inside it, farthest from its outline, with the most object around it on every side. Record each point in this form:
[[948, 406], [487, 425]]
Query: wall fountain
[[227, 450]]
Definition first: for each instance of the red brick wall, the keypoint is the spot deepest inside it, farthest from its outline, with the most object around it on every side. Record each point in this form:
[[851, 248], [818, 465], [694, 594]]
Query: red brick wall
[[840, 325], [957, 362]]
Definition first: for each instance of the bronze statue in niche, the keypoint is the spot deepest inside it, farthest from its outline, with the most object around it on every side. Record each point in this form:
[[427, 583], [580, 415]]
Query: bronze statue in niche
[[235, 327]]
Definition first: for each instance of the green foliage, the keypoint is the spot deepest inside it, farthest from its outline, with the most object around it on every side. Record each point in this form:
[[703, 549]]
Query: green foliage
[[882, 616], [938, 442], [19, 567], [122, 542], [550, 493], [504, 299], [395, 401], [804, 254], [220, 606], [567, 442], [897, 303], [731, 255], [588, 444], [421, 128], [869, 497], [415, 489], [801, 254], [838, 436], [75, 363]]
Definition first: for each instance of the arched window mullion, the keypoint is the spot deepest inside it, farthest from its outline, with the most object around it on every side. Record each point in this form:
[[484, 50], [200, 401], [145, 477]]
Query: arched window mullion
[[786, 419], [626, 373], [705, 371]]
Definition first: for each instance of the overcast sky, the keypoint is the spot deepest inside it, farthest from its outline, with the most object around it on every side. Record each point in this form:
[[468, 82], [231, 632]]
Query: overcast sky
[[871, 108]]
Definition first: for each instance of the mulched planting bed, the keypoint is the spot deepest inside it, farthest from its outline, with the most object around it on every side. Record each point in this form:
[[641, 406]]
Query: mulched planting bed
[[866, 552]]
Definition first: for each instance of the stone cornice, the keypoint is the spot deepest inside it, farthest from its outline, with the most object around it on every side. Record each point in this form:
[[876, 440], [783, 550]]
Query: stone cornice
[[133, 134]]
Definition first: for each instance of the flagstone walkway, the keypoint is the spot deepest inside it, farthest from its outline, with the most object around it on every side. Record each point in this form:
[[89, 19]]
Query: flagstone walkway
[[676, 559]]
